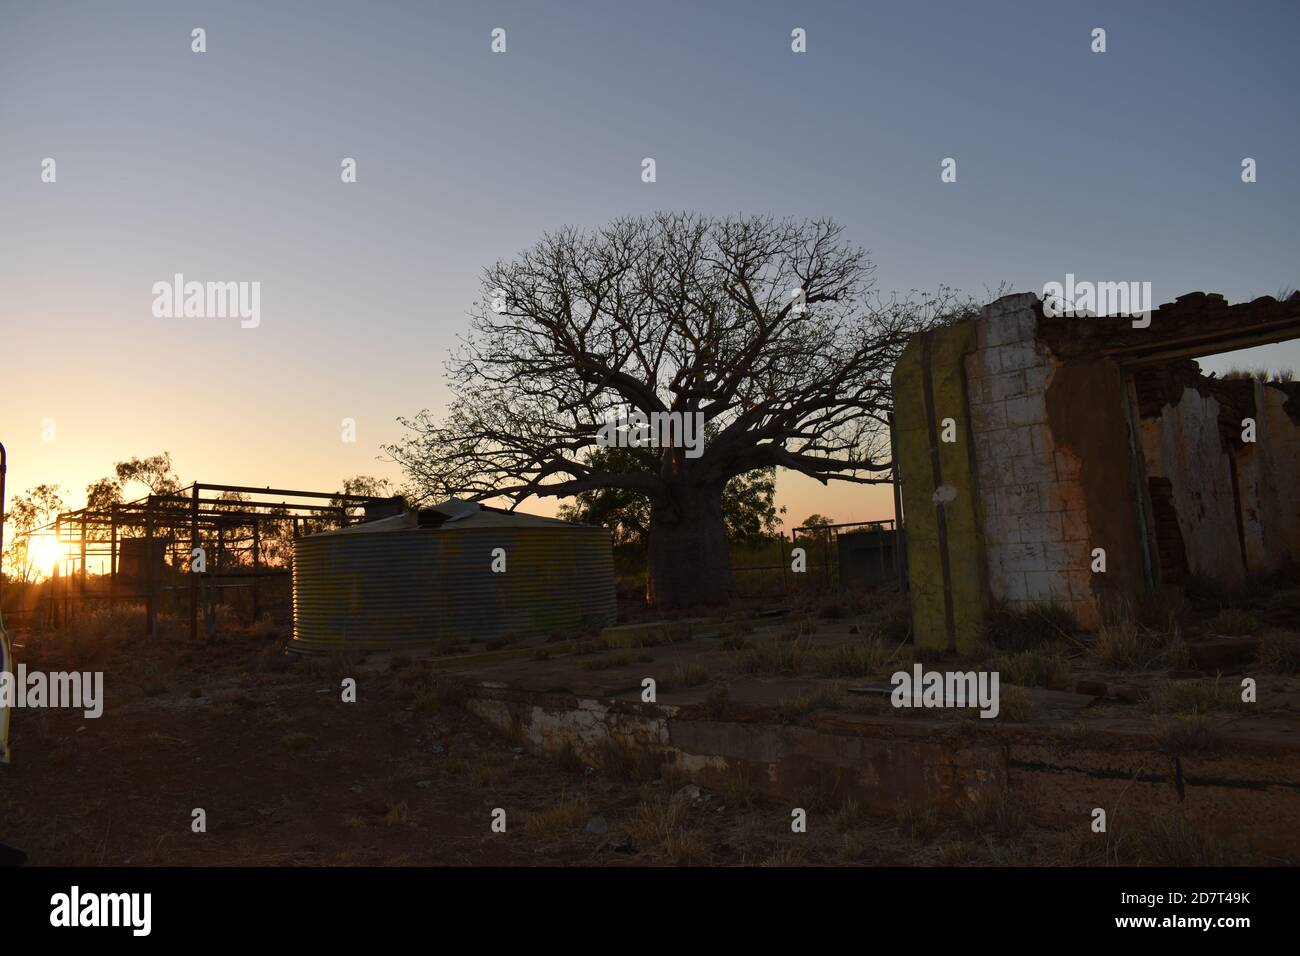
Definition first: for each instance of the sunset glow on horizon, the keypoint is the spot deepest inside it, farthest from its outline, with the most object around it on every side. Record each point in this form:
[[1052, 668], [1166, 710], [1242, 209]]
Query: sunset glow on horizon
[[366, 287]]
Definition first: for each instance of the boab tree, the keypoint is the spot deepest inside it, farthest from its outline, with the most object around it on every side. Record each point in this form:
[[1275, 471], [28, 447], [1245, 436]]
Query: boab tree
[[761, 327]]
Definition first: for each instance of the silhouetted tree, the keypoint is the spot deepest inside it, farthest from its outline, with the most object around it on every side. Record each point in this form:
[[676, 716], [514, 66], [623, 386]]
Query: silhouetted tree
[[761, 326], [748, 507]]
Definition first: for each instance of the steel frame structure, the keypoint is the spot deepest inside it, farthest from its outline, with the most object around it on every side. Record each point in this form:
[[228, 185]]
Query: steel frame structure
[[227, 529]]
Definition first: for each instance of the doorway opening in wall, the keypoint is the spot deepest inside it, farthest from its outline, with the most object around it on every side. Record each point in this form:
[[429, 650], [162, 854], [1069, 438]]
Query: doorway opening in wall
[[1217, 440]]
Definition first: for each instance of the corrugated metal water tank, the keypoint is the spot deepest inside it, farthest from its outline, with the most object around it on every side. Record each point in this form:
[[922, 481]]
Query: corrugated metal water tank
[[426, 577]]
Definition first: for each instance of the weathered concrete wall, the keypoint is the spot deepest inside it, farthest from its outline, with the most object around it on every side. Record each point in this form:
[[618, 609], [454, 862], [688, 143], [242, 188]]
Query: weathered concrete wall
[[841, 756], [1033, 511], [1056, 772], [1087, 408], [940, 496], [1183, 447], [1088, 433], [1236, 502], [1017, 525], [1269, 478]]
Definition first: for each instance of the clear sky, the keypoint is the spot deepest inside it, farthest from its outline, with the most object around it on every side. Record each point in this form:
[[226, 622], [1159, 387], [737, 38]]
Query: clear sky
[[225, 165]]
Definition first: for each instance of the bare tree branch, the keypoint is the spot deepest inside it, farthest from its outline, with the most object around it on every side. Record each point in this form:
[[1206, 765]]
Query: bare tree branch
[[767, 328]]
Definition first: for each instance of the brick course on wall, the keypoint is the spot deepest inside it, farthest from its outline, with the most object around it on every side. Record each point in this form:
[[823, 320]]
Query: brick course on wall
[[1032, 510]]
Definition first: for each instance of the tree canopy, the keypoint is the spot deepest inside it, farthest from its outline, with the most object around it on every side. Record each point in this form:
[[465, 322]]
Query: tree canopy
[[767, 331]]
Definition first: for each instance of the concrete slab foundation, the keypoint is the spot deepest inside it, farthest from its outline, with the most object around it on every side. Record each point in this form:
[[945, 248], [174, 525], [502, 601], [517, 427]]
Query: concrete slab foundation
[[1057, 770]]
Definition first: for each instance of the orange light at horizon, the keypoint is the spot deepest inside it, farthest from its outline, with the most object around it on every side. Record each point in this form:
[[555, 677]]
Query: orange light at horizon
[[43, 552]]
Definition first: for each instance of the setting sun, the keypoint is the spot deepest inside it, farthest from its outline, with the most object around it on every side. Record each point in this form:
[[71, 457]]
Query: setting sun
[[43, 552]]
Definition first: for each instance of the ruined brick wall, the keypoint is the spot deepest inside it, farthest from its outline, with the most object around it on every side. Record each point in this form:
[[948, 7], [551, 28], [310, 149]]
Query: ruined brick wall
[[1270, 477], [1084, 437], [1032, 507], [1223, 507]]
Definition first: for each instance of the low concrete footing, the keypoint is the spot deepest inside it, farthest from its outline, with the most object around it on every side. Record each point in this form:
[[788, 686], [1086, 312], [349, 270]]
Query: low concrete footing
[[1059, 773]]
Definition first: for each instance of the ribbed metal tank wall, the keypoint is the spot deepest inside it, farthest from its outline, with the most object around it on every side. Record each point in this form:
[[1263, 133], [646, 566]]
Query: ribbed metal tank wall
[[413, 587]]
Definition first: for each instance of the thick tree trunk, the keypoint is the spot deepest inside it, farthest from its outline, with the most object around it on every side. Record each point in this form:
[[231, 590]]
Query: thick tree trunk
[[689, 563]]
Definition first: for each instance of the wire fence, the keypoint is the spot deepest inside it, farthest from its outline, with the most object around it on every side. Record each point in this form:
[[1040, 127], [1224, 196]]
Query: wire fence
[[856, 555]]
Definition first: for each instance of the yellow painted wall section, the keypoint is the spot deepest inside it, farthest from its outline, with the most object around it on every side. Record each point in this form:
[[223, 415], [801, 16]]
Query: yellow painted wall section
[[965, 553]]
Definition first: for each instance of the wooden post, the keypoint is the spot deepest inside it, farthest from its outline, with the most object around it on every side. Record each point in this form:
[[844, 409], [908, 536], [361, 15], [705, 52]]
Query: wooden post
[[82, 577], [780, 556], [55, 581], [898, 507], [60, 598], [194, 581], [112, 553], [880, 549], [214, 591], [794, 578], [151, 604], [830, 583], [257, 559]]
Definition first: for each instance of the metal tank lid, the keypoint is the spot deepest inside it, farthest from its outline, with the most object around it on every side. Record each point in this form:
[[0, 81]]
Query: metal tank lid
[[453, 515]]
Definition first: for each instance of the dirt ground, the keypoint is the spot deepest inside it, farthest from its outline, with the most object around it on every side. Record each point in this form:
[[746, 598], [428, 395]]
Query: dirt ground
[[289, 774], [286, 772]]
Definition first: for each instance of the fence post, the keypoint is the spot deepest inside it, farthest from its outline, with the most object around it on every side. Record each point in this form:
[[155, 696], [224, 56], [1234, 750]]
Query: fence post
[[826, 556], [780, 557], [194, 581], [150, 581], [257, 547], [112, 554], [898, 507]]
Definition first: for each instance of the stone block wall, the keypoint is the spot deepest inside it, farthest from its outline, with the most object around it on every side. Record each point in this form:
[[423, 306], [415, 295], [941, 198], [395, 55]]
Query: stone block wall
[[1231, 507], [1033, 511], [1089, 433]]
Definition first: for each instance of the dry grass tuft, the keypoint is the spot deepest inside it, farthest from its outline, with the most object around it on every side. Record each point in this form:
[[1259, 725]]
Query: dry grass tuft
[[1013, 703], [1168, 697], [1174, 840], [996, 811], [1279, 653], [1234, 622], [660, 822], [628, 762], [1124, 644], [1196, 735], [915, 820], [1038, 667], [1010, 629], [568, 814]]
